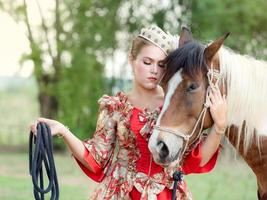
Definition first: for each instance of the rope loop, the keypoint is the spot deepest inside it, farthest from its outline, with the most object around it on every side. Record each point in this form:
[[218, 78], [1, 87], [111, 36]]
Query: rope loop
[[41, 155]]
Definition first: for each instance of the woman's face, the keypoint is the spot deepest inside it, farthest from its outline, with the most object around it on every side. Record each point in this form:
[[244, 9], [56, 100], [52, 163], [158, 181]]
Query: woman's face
[[148, 66]]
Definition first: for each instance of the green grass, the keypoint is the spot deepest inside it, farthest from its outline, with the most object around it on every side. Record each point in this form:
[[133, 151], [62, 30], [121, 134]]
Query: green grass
[[230, 180], [15, 181]]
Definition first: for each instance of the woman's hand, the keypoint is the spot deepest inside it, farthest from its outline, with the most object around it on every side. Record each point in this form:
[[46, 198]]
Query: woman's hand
[[218, 108], [56, 127]]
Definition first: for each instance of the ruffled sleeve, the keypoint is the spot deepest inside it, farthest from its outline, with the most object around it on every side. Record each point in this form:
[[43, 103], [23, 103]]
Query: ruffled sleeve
[[192, 161], [99, 150]]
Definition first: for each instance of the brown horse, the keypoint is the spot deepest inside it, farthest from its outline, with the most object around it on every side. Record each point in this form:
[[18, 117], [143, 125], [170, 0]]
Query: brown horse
[[191, 69]]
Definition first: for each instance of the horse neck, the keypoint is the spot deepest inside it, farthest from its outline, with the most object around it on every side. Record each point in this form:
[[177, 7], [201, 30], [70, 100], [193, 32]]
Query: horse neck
[[246, 92]]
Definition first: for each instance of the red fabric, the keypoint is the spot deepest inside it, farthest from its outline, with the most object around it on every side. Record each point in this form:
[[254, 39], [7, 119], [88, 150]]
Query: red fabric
[[142, 165], [192, 162], [98, 174]]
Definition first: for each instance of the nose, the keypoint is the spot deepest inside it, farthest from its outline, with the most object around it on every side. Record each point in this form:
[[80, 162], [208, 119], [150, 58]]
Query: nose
[[154, 69], [163, 150]]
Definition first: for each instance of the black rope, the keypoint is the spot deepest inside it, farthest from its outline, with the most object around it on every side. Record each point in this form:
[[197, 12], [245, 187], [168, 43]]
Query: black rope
[[39, 156], [177, 177]]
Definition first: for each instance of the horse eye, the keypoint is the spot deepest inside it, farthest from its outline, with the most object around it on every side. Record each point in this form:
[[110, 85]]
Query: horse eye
[[192, 87]]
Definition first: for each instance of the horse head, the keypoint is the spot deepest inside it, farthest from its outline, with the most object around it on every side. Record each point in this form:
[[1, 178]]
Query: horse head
[[185, 85]]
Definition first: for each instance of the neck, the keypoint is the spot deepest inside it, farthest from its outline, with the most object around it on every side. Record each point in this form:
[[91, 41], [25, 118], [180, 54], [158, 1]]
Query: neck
[[144, 93], [146, 98]]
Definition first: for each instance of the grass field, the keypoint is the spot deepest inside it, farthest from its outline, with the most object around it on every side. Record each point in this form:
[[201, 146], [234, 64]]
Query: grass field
[[229, 181], [16, 184]]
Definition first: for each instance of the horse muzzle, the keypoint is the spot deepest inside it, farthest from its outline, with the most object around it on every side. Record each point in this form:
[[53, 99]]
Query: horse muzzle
[[165, 148]]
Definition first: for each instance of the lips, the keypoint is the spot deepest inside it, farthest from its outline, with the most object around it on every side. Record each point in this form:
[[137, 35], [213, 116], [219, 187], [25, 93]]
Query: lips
[[152, 78]]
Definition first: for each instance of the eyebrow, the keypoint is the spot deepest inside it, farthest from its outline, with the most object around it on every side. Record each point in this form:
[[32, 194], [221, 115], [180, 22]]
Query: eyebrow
[[151, 59]]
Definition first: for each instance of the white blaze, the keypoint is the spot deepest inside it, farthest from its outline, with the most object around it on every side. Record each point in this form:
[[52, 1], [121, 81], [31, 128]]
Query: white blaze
[[172, 85]]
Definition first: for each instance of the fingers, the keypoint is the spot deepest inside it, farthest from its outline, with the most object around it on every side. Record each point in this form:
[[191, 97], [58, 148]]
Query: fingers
[[215, 95], [45, 120], [216, 92], [48, 122], [33, 128]]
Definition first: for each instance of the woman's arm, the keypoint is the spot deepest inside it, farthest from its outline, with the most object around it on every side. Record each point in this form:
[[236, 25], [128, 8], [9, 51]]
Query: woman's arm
[[74, 144], [218, 110], [77, 148], [94, 153]]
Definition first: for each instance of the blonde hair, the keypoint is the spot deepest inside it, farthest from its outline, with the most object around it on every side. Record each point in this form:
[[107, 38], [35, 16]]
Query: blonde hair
[[137, 44]]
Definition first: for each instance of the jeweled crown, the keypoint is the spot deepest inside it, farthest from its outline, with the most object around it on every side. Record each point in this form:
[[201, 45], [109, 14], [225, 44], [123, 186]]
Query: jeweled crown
[[165, 41]]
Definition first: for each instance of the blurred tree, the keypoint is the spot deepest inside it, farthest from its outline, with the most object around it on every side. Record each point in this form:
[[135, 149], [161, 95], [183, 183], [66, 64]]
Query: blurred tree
[[244, 19], [91, 39], [46, 51], [68, 49], [70, 46]]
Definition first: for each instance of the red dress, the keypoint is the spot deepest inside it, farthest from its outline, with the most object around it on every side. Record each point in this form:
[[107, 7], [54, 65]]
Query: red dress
[[147, 180]]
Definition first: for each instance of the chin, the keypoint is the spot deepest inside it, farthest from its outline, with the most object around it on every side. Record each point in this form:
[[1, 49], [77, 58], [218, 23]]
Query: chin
[[150, 86]]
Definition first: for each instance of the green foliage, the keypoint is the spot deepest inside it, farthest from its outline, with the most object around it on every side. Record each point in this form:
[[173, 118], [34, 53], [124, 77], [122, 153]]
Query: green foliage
[[78, 94], [244, 19], [82, 83]]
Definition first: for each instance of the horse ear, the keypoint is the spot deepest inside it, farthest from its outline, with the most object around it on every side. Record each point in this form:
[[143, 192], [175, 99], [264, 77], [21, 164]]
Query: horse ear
[[185, 36], [214, 47]]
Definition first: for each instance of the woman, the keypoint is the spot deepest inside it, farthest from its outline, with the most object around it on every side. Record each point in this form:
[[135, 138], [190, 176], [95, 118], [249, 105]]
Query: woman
[[126, 121]]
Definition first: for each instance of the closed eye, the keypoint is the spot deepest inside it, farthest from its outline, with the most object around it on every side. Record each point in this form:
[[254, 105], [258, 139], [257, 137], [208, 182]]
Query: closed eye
[[147, 63]]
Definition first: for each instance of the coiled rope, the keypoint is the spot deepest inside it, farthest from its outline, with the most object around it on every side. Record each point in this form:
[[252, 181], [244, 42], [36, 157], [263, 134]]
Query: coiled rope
[[41, 154]]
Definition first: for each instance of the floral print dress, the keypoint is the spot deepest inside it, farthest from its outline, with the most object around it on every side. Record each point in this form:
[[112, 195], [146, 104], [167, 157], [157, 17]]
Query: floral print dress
[[118, 153]]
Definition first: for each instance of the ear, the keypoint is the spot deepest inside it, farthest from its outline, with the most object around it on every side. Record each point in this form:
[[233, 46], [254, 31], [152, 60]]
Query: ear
[[185, 36], [211, 50]]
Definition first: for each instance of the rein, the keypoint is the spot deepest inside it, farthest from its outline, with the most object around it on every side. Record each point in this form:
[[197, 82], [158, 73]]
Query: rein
[[39, 156], [214, 79]]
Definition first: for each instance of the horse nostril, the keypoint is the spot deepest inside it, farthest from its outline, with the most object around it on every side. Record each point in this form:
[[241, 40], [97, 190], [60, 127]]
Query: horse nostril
[[164, 151]]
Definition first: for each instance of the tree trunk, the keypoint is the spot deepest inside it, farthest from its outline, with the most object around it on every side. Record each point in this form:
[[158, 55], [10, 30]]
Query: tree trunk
[[48, 105]]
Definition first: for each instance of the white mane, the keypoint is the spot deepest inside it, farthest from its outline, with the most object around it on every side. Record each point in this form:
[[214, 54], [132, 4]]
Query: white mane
[[246, 92]]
